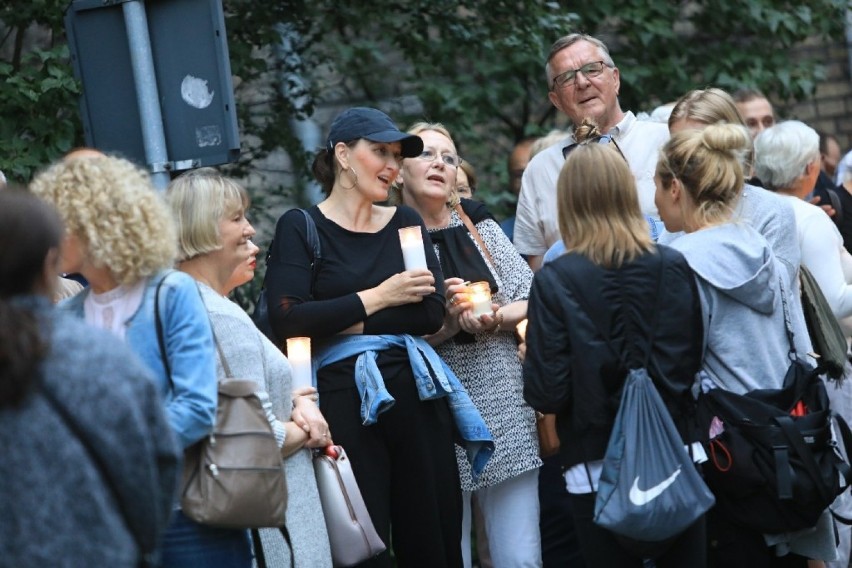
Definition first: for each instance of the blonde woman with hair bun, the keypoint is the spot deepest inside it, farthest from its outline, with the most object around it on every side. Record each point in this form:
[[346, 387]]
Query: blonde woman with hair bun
[[699, 182]]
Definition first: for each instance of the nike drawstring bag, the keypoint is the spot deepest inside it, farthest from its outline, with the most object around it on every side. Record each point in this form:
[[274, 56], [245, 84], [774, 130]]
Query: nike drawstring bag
[[649, 489]]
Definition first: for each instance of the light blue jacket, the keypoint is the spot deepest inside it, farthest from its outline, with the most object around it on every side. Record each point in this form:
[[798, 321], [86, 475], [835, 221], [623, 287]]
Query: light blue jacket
[[191, 404], [434, 379]]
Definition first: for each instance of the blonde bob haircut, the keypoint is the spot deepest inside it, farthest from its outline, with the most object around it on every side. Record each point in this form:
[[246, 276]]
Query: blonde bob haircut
[[111, 205], [598, 207], [395, 197], [200, 199], [709, 165]]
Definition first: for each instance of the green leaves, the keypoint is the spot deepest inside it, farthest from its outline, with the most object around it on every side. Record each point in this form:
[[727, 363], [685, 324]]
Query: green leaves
[[38, 106], [475, 65]]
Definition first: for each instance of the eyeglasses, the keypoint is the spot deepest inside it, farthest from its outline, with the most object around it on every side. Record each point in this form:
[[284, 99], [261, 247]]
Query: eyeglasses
[[429, 155], [588, 70], [602, 139]]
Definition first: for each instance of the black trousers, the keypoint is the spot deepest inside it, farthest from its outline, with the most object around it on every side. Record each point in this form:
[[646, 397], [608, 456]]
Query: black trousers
[[601, 547], [732, 546], [406, 469], [559, 547]]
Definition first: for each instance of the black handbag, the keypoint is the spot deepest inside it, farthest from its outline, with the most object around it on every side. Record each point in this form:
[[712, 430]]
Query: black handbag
[[773, 464], [260, 315]]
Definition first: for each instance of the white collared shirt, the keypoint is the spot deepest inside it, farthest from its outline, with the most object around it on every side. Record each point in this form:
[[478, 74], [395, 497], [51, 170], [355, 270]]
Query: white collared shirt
[[536, 224]]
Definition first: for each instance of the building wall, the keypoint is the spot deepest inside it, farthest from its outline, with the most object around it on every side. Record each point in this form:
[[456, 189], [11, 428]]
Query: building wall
[[830, 109]]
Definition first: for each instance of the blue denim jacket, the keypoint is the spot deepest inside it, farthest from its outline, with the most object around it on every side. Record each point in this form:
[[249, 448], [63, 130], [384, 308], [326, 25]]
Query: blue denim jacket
[[434, 379], [191, 405]]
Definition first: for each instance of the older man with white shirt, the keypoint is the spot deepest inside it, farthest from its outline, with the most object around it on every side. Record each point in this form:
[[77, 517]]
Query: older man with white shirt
[[584, 84]]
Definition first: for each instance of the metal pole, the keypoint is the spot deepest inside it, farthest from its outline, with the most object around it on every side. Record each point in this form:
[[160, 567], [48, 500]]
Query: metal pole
[[306, 130], [142, 60]]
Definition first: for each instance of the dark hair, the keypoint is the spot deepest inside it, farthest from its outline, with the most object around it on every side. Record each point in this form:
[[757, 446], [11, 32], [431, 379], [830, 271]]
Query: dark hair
[[824, 137], [746, 94], [29, 229], [325, 168]]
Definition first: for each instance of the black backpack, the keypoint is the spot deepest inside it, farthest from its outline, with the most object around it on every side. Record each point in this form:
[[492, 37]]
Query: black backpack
[[773, 465]]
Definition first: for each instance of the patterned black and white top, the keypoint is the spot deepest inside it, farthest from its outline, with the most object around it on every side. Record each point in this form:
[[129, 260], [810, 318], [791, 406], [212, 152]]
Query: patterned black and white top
[[490, 370]]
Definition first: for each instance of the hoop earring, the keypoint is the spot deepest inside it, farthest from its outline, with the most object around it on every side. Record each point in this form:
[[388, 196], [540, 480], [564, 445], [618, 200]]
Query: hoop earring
[[355, 175]]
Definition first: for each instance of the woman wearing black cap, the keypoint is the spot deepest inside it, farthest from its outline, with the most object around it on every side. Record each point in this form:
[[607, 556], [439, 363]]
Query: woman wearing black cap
[[365, 314]]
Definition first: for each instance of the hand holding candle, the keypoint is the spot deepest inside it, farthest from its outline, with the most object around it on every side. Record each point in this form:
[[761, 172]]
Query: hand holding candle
[[299, 355], [413, 254], [480, 297]]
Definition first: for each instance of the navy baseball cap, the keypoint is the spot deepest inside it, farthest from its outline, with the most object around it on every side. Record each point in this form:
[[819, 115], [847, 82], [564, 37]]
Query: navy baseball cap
[[373, 125]]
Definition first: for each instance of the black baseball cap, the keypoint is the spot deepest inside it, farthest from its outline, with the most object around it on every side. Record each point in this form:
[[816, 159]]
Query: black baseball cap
[[373, 125]]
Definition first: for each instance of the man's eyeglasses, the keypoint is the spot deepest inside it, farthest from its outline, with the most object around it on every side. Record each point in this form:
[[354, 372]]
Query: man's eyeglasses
[[588, 70], [429, 155], [602, 139]]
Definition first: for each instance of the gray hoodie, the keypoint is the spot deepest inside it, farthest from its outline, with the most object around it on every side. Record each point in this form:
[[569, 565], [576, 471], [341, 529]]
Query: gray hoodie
[[740, 283], [773, 217]]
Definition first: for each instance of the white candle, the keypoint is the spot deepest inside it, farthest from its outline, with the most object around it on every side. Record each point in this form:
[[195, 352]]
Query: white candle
[[413, 254], [480, 297], [299, 355]]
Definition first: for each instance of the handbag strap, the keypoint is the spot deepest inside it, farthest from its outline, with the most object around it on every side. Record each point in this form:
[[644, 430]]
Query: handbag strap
[[160, 336], [471, 228], [225, 367], [785, 482], [788, 322]]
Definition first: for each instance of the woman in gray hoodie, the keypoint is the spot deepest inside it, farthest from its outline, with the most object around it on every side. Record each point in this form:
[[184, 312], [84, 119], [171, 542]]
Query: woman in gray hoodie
[[741, 283]]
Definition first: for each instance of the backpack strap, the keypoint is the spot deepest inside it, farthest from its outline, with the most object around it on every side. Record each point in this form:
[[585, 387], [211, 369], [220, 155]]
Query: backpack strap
[[313, 240]]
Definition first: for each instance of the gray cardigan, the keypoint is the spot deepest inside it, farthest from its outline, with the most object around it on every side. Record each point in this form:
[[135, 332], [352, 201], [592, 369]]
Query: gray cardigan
[[251, 356], [57, 507]]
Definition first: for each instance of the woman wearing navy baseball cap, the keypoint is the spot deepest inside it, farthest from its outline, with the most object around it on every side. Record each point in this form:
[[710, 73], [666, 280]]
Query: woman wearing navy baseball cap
[[382, 388]]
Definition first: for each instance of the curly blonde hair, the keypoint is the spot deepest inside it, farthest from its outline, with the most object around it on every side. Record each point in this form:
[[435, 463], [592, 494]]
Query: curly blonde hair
[[111, 205]]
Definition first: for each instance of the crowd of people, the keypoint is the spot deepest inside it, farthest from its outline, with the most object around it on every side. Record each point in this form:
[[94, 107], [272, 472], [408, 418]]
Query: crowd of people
[[672, 243]]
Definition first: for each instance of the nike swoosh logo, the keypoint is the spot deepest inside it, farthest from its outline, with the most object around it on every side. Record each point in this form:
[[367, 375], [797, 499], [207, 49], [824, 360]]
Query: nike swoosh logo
[[641, 497]]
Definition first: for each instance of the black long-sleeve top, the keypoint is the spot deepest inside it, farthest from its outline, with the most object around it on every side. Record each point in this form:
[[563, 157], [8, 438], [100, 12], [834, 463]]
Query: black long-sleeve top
[[351, 262]]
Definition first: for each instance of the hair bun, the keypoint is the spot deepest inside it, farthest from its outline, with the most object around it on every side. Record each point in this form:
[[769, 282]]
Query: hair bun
[[586, 130], [725, 137]]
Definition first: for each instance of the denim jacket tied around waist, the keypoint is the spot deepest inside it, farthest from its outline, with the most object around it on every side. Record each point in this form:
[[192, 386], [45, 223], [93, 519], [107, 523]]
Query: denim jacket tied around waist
[[434, 379]]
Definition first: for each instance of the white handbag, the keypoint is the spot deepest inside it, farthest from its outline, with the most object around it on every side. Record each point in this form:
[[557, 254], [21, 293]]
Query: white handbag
[[351, 533]]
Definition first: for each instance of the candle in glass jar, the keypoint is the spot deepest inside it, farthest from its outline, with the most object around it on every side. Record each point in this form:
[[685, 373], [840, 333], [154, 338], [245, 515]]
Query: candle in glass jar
[[299, 355], [413, 254], [480, 297]]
